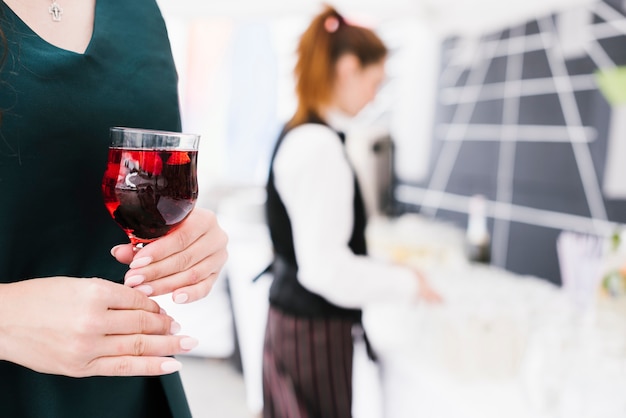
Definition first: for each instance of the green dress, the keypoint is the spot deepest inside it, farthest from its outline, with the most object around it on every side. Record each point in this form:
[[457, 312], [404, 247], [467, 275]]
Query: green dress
[[57, 107]]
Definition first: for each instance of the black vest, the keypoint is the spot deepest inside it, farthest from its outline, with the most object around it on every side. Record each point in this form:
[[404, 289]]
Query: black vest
[[286, 292]]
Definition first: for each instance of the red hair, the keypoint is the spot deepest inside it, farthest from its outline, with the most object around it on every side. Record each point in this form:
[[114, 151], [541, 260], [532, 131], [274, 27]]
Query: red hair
[[328, 38]]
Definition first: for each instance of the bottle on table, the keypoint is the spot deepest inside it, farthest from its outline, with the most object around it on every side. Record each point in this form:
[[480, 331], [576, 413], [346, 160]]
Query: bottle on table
[[477, 239]]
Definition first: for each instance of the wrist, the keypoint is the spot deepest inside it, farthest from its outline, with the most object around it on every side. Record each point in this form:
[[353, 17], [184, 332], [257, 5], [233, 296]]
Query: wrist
[[7, 318], [4, 319]]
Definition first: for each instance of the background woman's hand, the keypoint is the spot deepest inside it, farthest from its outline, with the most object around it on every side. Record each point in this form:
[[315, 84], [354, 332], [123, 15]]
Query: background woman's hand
[[87, 327], [186, 262], [425, 291]]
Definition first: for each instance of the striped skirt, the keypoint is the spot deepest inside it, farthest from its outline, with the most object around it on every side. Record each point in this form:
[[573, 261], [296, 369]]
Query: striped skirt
[[307, 367]]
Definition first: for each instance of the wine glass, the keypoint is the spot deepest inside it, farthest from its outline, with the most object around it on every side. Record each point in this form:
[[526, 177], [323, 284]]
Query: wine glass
[[150, 184]]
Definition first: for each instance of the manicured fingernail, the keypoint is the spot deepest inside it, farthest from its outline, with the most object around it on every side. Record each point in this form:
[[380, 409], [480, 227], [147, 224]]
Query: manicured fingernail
[[145, 289], [171, 366], [188, 343], [181, 298], [114, 250], [133, 281], [175, 328], [140, 262]]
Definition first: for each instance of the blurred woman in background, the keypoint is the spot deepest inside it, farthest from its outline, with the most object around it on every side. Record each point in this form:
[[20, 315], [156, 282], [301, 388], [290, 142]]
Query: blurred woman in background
[[322, 274]]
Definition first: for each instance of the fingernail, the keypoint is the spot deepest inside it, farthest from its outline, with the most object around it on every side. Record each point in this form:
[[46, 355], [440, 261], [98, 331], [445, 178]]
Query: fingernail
[[145, 289], [114, 250], [175, 328], [133, 281], [163, 311], [181, 298], [140, 262], [188, 343], [171, 366]]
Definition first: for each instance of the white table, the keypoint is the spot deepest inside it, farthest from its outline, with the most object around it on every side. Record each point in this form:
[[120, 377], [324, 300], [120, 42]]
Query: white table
[[501, 345]]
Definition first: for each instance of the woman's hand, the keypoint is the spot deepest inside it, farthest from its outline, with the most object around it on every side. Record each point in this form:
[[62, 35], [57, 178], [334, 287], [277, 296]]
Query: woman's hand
[[425, 291], [87, 327], [186, 262]]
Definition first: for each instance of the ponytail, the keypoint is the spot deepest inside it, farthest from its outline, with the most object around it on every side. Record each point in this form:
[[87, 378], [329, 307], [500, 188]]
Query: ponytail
[[327, 38]]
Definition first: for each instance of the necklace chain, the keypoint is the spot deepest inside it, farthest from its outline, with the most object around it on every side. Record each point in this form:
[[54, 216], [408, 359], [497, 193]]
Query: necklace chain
[[55, 11]]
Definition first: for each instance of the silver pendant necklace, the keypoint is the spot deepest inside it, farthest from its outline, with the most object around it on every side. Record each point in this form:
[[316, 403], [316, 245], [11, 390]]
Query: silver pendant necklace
[[55, 11]]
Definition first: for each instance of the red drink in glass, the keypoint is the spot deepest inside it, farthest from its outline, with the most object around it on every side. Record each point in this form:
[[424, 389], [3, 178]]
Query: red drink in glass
[[149, 192]]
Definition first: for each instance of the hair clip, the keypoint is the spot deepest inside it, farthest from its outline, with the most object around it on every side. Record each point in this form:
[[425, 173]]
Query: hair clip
[[331, 24]]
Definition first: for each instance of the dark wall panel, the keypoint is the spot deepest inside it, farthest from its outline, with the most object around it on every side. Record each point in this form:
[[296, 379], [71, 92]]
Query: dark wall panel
[[555, 136]]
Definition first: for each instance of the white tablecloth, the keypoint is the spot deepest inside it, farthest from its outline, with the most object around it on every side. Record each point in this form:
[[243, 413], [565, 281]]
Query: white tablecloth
[[502, 345]]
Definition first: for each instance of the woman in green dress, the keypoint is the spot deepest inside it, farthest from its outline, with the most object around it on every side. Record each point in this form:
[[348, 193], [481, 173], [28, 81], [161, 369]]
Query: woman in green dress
[[79, 336]]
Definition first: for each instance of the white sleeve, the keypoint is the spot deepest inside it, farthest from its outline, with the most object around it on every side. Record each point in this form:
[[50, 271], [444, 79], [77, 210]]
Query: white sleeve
[[315, 182]]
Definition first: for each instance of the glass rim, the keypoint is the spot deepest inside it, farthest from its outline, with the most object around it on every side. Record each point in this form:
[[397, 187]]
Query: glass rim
[[127, 137]]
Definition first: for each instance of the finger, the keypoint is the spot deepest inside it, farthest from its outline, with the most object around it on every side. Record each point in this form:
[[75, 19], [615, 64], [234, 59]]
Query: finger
[[132, 366], [196, 292], [121, 297], [123, 253], [199, 223], [145, 345], [203, 258], [207, 270], [432, 297], [126, 322], [182, 291]]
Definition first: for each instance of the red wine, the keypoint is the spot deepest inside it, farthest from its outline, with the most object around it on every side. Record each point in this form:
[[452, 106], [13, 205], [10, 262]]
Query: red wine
[[149, 192]]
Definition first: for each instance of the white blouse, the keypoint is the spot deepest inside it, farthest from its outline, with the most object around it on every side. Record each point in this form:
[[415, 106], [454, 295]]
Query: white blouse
[[315, 182]]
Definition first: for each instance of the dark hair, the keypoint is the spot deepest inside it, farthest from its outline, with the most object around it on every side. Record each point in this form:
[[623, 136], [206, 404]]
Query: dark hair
[[328, 38]]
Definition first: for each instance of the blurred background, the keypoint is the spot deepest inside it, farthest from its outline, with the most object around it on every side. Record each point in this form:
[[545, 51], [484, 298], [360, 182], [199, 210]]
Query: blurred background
[[493, 158]]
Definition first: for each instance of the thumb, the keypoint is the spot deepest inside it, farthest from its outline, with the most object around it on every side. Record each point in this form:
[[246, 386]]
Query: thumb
[[123, 253]]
